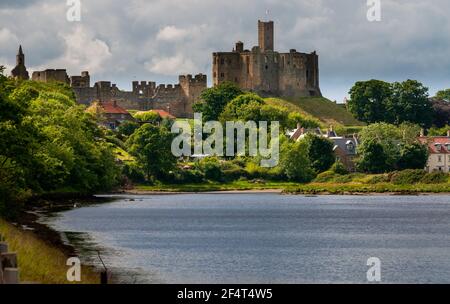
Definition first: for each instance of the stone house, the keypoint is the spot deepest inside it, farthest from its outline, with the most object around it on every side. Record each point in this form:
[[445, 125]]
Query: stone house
[[113, 115], [345, 148], [439, 148]]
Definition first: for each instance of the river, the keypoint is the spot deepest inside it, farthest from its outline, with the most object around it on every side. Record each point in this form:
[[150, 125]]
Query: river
[[264, 238]]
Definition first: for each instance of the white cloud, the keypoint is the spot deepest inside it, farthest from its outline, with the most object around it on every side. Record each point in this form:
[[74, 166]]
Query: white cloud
[[82, 51], [172, 33], [172, 66]]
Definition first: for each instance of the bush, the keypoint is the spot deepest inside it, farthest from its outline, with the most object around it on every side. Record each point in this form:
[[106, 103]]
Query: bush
[[339, 168], [234, 174], [379, 179], [435, 178], [406, 177], [134, 172], [343, 179], [325, 177]]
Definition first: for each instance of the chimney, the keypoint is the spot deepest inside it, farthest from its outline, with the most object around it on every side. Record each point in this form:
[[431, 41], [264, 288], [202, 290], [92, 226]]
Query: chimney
[[115, 103], [298, 125], [422, 133]]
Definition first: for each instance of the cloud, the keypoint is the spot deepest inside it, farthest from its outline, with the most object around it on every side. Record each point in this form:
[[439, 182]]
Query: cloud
[[172, 33], [159, 39], [172, 66]]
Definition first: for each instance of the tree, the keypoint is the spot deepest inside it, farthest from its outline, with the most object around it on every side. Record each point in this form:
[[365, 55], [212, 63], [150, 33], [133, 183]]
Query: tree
[[373, 158], [443, 95], [294, 162], [148, 116], [409, 103], [151, 145], [127, 128], [368, 100], [378, 101], [389, 141], [319, 151], [441, 110], [295, 118], [413, 156], [214, 100]]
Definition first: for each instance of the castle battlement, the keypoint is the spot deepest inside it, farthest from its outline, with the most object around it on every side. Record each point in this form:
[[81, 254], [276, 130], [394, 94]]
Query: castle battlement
[[266, 71]]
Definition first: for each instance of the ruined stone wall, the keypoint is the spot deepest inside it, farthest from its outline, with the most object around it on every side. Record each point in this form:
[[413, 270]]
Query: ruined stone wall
[[192, 88], [51, 75]]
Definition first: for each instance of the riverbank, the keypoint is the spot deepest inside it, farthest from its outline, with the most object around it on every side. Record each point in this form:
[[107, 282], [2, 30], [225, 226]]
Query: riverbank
[[39, 260], [41, 252], [354, 188]]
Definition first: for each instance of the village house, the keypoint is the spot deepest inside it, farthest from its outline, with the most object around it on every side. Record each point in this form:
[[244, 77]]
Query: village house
[[344, 147], [112, 115], [439, 148]]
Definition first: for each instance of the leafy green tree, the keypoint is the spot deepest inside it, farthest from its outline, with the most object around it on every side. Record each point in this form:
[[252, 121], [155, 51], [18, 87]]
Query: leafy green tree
[[413, 156], [319, 151], [409, 103], [49, 143], [294, 162], [373, 158], [393, 141], [127, 128], [368, 100], [214, 100], [443, 95], [148, 116], [151, 145], [295, 118]]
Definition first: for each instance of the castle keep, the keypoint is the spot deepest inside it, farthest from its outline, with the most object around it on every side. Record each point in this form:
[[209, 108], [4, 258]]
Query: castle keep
[[267, 72]]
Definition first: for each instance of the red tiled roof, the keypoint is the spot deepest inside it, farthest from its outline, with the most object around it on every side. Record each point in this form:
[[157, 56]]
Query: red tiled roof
[[111, 108], [164, 114], [435, 142]]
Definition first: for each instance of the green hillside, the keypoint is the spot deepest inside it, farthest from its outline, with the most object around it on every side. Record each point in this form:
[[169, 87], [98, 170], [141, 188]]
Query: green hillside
[[328, 112]]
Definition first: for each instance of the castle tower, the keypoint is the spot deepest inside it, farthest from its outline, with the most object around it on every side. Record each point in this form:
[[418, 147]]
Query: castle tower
[[265, 35], [20, 71]]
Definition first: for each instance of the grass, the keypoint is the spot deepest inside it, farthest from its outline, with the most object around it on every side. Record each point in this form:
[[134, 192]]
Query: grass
[[38, 261], [355, 184], [214, 186], [321, 108]]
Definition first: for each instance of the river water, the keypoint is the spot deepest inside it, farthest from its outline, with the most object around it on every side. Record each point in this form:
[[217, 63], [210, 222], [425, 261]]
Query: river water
[[265, 238]]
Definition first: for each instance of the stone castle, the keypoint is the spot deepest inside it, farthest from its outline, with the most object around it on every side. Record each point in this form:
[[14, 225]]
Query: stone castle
[[267, 72], [175, 99], [261, 70]]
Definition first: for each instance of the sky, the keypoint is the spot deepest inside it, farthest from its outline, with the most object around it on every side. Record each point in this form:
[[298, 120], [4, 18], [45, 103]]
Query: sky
[[156, 40]]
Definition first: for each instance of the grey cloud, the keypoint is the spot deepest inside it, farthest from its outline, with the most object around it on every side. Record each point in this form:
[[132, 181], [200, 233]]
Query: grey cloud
[[411, 41]]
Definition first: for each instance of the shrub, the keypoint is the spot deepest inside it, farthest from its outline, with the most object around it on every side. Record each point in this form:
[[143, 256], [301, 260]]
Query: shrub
[[379, 179], [339, 168], [435, 178], [324, 177], [234, 174], [343, 179], [134, 172], [406, 177]]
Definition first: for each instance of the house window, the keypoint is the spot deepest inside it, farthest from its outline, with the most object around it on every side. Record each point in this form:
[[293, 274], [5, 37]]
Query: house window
[[222, 61], [439, 159], [222, 75]]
